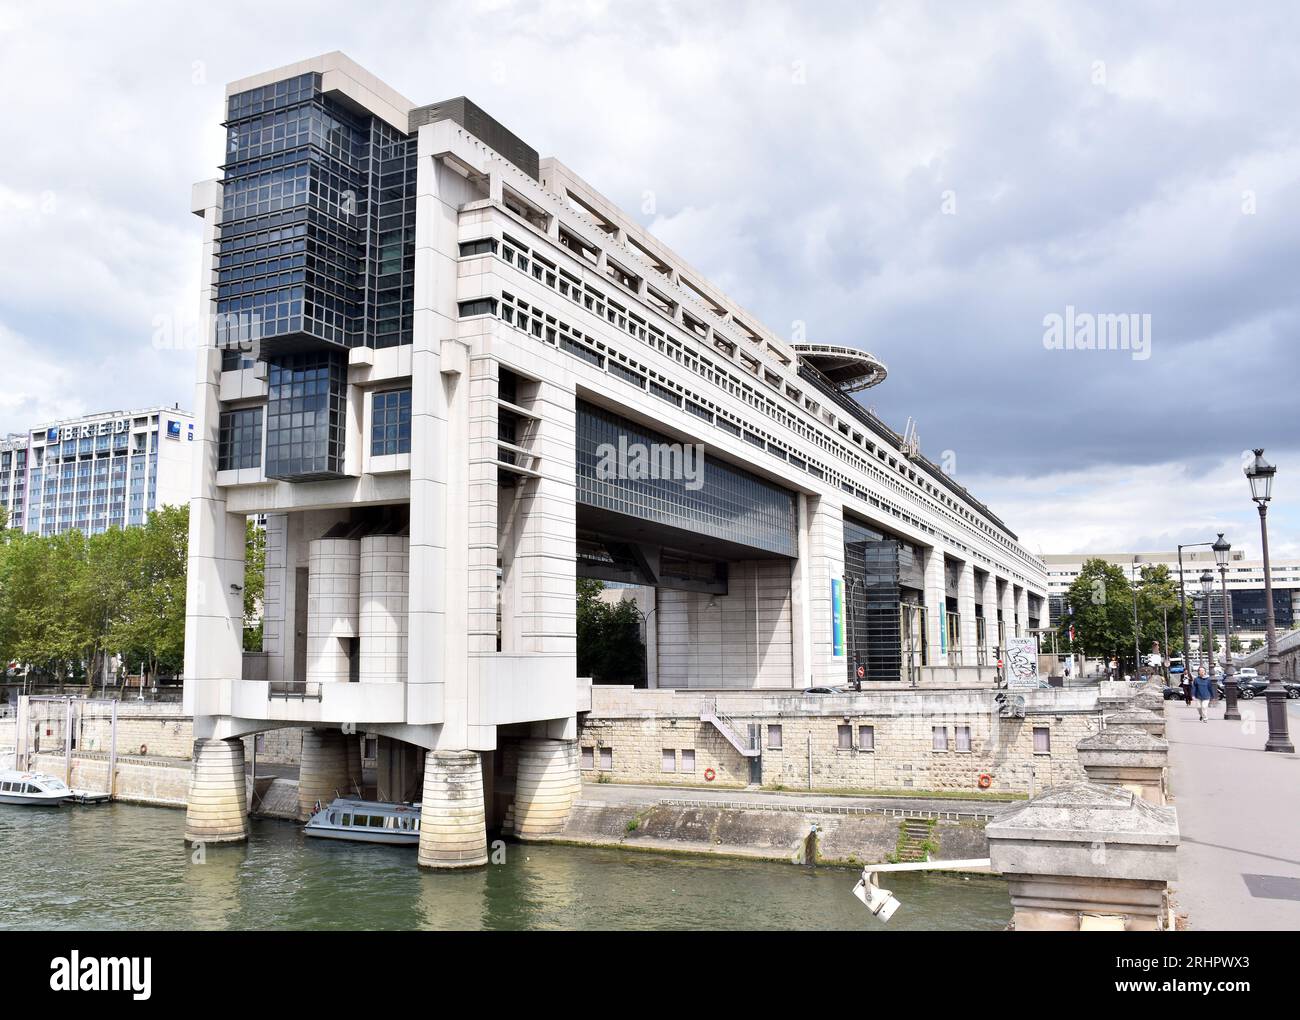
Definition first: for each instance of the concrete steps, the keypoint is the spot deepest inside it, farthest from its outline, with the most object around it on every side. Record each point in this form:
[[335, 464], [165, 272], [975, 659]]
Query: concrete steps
[[914, 833]]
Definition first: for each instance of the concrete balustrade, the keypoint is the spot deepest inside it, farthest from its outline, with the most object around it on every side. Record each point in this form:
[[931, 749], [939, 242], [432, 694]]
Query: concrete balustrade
[[1087, 856], [547, 783], [1129, 757], [1138, 718], [217, 807], [453, 826]]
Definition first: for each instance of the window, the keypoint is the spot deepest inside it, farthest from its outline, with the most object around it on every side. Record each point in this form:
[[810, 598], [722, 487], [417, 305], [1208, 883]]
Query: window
[[239, 442], [866, 738], [1042, 740], [668, 761], [390, 423], [846, 738], [480, 306], [485, 246], [941, 738], [606, 758], [688, 760], [588, 757], [773, 738], [963, 738]]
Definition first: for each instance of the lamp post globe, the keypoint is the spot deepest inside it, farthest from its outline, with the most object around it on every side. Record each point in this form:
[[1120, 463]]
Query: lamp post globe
[[1259, 473]]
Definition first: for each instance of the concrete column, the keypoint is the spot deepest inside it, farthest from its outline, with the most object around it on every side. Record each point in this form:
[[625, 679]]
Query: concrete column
[[382, 609], [1022, 612], [990, 603], [1008, 606], [936, 591], [825, 563], [216, 810], [966, 607], [453, 826], [547, 783], [324, 773], [333, 586], [1084, 856]]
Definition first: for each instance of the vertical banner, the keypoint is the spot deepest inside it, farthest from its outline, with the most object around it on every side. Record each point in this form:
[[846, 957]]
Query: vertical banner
[[943, 631], [837, 617]]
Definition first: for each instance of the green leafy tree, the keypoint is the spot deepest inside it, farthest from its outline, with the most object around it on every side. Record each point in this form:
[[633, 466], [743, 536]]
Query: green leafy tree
[[1158, 610], [254, 585], [1102, 600], [610, 649], [151, 628]]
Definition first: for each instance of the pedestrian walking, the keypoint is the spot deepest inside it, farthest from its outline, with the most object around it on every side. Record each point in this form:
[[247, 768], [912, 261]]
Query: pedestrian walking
[[1202, 691], [1186, 685]]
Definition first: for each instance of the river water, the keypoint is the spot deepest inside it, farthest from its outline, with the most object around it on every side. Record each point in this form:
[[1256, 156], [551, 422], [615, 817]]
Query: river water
[[123, 866]]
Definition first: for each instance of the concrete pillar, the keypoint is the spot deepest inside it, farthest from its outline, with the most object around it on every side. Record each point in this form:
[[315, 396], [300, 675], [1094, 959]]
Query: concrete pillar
[[1127, 757], [216, 810], [333, 585], [546, 785], [1022, 612], [936, 591], [1085, 856], [382, 608], [825, 563], [990, 603], [1008, 606], [453, 825], [966, 607], [1137, 718], [324, 773]]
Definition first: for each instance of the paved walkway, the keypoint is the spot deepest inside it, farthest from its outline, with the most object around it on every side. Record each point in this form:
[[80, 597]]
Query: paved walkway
[[1239, 818]]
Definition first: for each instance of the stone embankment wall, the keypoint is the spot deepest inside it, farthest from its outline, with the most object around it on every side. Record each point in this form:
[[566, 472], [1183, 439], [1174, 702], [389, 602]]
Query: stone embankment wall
[[849, 837], [896, 741]]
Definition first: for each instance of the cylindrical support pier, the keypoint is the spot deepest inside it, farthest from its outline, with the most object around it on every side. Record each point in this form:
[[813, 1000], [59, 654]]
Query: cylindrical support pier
[[333, 588], [324, 773], [453, 829], [546, 785], [382, 612], [216, 810]]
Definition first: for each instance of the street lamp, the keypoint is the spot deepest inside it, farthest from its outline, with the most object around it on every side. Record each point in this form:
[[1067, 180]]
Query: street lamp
[[1259, 473], [1207, 589], [1221, 549]]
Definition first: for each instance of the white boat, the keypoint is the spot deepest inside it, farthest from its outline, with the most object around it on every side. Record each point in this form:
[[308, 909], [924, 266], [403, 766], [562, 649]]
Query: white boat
[[366, 821], [34, 789]]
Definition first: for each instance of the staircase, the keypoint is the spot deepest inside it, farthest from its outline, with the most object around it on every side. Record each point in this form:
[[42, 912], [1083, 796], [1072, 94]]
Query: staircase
[[913, 834], [730, 730]]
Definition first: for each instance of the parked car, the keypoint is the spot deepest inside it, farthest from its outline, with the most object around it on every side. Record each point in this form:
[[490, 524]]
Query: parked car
[[1247, 687], [1173, 692], [1248, 671]]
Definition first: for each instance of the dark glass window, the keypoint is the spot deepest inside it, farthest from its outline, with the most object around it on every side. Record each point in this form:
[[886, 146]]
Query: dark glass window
[[239, 443], [305, 416], [731, 504], [390, 423]]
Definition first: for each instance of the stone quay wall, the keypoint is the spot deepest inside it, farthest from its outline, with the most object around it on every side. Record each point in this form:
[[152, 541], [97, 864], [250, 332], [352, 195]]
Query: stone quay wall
[[941, 741]]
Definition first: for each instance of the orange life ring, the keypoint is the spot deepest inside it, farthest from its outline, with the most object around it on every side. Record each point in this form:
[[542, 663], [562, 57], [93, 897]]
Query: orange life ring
[[985, 781], [709, 775]]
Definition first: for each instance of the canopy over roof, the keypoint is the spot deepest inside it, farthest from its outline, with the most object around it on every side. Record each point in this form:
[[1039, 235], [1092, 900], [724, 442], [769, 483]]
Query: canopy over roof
[[848, 368]]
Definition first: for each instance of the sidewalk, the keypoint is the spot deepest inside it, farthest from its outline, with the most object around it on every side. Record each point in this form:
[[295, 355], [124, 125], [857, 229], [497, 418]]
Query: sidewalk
[[1239, 860]]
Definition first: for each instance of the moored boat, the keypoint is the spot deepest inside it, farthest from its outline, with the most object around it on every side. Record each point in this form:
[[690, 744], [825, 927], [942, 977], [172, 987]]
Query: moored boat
[[366, 821], [32, 789]]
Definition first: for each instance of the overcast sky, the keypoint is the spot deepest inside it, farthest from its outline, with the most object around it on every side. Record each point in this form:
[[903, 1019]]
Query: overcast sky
[[929, 182]]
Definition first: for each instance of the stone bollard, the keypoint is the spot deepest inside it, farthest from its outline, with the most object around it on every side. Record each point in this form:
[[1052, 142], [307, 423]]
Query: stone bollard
[[1129, 757], [1137, 718], [1114, 695], [1150, 696], [1087, 857]]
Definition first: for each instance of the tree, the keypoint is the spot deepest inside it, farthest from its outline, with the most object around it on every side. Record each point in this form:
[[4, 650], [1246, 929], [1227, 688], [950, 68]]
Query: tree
[[1102, 603], [1158, 610], [254, 584], [610, 649], [151, 627]]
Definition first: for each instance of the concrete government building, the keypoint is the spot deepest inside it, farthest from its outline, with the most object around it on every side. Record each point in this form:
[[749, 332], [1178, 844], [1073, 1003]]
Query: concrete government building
[[425, 342]]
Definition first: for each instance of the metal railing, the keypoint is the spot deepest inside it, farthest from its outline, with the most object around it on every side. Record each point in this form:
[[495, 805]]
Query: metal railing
[[300, 690]]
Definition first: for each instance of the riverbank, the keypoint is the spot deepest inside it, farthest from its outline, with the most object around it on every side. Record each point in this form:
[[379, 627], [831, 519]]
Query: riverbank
[[778, 827]]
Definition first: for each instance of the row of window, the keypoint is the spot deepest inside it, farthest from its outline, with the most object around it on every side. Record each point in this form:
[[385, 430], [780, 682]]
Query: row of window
[[239, 439]]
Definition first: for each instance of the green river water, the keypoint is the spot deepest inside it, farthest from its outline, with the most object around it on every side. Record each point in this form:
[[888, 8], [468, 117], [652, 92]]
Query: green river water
[[122, 866]]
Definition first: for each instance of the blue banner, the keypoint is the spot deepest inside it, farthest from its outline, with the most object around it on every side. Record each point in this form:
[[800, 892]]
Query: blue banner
[[837, 617]]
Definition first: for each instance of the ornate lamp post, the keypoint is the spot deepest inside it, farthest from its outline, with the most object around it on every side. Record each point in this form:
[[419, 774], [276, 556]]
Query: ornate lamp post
[[1221, 549], [1260, 475], [1207, 589]]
